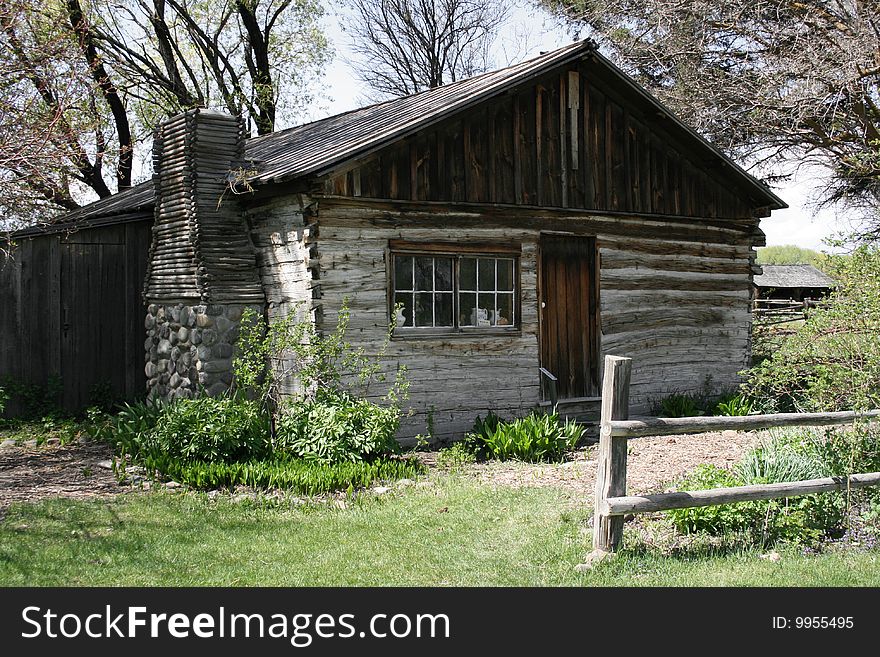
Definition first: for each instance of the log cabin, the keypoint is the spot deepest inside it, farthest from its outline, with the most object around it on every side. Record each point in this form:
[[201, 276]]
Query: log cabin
[[518, 225]]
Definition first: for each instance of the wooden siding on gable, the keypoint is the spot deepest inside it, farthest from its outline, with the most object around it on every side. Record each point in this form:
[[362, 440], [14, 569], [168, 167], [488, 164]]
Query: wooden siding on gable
[[568, 140]]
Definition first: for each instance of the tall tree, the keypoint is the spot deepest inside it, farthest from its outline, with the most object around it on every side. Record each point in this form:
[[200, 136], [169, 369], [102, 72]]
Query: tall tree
[[405, 46], [55, 132], [84, 82], [251, 57], [771, 80]]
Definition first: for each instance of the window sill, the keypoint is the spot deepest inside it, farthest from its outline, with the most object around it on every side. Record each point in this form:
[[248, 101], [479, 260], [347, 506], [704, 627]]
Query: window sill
[[438, 334]]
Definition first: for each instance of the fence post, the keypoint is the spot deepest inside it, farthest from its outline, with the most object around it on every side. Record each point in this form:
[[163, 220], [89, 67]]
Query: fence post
[[611, 466]]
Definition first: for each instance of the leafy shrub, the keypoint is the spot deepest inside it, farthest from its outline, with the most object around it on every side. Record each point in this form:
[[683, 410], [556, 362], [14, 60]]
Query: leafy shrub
[[331, 419], [831, 361], [291, 351], [34, 401], [721, 519], [296, 475], [336, 427], [789, 254], [129, 429], [475, 440], [4, 398], [782, 458], [735, 405], [224, 428], [536, 437], [221, 429], [846, 450]]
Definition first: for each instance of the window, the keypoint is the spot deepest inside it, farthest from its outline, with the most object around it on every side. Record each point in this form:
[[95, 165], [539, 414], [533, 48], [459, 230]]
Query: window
[[455, 292]]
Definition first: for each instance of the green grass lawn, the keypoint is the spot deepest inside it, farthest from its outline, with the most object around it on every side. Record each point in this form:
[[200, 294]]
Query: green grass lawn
[[455, 532]]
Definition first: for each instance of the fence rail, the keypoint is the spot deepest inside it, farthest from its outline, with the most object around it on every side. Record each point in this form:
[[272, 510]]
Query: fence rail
[[611, 500], [683, 425], [780, 311]]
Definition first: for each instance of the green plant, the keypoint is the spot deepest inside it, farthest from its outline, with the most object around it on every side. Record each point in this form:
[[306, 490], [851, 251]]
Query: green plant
[[845, 450], [679, 405], [724, 518], [335, 427], [291, 350], [781, 458], [331, 418], [778, 459], [455, 456], [475, 440], [295, 475], [536, 437], [130, 428], [35, 401], [4, 398], [831, 361], [221, 429], [102, 396], [735, 405]]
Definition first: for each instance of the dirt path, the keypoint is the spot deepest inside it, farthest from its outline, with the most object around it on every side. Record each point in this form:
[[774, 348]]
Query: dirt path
[[28, 474], [651, 464], [31, 474]]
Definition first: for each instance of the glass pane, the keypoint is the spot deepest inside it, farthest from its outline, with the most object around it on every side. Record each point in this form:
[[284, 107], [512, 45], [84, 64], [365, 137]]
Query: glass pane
[[468, 274], [443, 274], [505, 274], [486, 308], [407, 301], [466, 304], [424, 310], [505, 310], [487, 274], [443, 309], [403, 273], [425, 274]]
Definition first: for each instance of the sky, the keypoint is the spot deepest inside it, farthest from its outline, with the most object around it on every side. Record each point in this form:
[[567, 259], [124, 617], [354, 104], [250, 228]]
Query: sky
[[526, 34]]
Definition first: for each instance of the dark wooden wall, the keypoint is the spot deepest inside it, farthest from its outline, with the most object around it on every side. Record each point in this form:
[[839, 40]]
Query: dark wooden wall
[[71, 306], [568, 140]]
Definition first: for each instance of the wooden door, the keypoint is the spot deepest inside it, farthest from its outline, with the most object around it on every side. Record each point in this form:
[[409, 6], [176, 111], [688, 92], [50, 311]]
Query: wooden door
[[93, 317], [569, 314]]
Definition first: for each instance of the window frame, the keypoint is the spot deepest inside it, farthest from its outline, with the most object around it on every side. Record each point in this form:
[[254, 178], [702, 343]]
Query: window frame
[[456, 251]]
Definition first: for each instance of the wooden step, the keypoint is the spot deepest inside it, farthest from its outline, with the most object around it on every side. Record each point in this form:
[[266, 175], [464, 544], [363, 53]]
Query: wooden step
[[584, 410]]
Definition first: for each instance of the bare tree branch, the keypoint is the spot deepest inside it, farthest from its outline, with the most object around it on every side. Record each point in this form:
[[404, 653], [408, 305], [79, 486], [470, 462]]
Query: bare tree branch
[[405, 46]]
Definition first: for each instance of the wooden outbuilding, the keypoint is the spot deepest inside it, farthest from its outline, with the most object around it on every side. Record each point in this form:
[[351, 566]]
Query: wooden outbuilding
[[793, 283], [529, 219]]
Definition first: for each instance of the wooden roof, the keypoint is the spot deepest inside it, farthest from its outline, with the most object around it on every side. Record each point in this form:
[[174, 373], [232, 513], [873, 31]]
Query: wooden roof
[[317, 148], [132, 204], [787, 276]]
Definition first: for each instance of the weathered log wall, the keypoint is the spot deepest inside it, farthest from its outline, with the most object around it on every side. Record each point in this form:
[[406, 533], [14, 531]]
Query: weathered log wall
[[674, 296]]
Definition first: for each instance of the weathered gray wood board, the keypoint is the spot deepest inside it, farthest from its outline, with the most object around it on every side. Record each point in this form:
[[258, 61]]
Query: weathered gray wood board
[[72, 308], [201, 251]]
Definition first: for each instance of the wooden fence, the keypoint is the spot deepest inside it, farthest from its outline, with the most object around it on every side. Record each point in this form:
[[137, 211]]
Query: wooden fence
[[611, 500], [781, 311]]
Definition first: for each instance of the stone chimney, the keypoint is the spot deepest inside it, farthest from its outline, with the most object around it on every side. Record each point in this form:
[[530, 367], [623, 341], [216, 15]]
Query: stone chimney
[[202, 270]]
